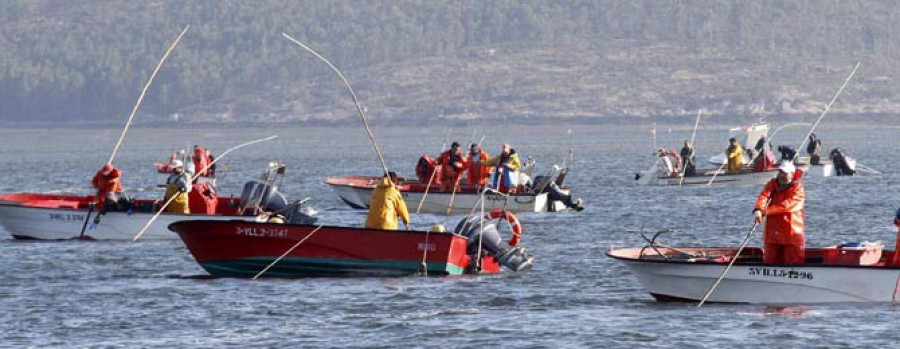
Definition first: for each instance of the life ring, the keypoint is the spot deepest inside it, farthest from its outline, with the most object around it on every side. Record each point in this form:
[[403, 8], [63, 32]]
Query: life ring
[[513, 222]]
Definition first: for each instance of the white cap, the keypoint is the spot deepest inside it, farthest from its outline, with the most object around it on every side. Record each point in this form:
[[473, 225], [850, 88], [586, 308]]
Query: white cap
[[176, 164], [787, 166]]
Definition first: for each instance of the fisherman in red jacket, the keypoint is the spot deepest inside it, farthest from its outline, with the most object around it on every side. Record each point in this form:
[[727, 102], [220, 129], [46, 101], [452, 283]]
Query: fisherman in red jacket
[[452, 166], [108, 184], [477, 173], [781, 203]]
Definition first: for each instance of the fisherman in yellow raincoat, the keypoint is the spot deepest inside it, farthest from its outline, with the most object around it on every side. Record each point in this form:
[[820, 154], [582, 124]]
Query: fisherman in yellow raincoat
[[387, 204], [735, 156], [178, 184]]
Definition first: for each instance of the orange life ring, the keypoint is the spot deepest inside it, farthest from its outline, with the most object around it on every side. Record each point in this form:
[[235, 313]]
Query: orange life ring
[[513, 222]]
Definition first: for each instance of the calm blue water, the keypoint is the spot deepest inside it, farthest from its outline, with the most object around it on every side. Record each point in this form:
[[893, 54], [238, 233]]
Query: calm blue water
[[77, 294]]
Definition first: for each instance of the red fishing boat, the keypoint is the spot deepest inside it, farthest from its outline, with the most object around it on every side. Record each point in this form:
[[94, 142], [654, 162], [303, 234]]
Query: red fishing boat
[[243, 249]]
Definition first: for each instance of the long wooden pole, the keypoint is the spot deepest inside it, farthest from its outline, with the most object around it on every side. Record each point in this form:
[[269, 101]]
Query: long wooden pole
[[288, 251], [197, 174], [685, 161], [144, 92], [834, 98], [352, 94], [733, 259], [827, 108]]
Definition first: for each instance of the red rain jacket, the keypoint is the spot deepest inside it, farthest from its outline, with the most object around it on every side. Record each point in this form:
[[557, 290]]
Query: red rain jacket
[[784, 215], [107, 184], [477, 172]]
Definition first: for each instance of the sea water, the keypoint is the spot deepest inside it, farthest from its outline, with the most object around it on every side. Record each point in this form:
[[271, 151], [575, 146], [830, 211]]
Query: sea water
[[80, 294]]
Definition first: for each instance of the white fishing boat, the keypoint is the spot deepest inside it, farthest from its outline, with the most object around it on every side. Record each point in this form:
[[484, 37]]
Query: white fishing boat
[[660, 175], [60, 217], [829, 275]]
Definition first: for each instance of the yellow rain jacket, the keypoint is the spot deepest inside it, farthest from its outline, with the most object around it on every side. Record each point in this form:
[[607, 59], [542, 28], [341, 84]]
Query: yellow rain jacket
[[387, 203], [174, 186], [735, 158]]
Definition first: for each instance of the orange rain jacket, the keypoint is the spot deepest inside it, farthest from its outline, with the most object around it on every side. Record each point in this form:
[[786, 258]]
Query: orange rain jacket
[[106, 184], [451, 171], [387, 203], [784, 215], [478, 172]]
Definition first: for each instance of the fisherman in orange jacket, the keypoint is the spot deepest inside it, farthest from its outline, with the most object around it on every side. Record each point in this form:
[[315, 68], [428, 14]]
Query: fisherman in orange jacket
[[108, 184], [781, 203], [477, 172], [452, 166]]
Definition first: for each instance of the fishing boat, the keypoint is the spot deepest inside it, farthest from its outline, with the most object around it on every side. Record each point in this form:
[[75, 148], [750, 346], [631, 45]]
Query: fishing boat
[[545, 194], [60, 217], [847, 273], [245, 249], [657, 175]]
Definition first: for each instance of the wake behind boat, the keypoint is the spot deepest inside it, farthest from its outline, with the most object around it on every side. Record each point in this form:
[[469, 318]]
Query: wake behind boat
[[830, 274]]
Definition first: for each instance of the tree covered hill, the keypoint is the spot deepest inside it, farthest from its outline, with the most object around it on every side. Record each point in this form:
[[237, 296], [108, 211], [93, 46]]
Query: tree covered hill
[[422, 60]]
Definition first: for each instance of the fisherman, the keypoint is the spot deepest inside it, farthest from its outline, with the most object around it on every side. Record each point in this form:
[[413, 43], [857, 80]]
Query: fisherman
[[506, 172], [687, 156], [781, 203], [202, 159], [813, 149], [178, 184], [477, 173], [109, 185], [165, 167], [765, 160], [387, 204], [668, 169], [452, 166], [735, 154]]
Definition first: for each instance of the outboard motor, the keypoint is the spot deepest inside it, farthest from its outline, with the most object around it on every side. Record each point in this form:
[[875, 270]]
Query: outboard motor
[[543, 184], [258, 195], [513, 258], [297, 213], [787, 152], [841, 166]]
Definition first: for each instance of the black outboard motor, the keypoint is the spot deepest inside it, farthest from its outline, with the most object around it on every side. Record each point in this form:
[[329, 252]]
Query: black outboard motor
[[514, 258], [294, 214], [543, 184], [839, 159], [258, 195], [787, 152]]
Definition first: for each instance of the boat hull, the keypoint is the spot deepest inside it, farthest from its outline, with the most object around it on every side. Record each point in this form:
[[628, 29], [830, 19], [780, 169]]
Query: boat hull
[[243, 249], [723, 178], [64, 218], [760, 283], [357, 193]]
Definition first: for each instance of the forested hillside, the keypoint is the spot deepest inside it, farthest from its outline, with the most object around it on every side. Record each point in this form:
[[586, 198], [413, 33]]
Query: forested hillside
[[81, 60]]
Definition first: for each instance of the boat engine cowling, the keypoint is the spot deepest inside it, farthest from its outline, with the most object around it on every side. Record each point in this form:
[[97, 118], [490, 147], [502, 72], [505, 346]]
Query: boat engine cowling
[[513, 258], [262, 196]]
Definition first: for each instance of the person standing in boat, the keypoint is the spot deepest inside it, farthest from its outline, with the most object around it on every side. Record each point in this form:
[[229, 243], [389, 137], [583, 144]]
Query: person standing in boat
[[201, 161], [452, 167], [765, 160], [781, 202], [688, 158], [387, 204], [178, 184], [108, 181], [735, 154], [506, 172], [813, 149], [477, 173]]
